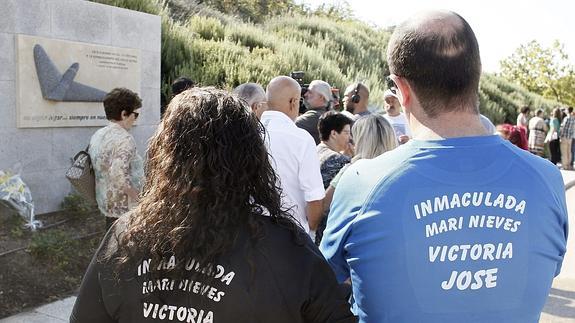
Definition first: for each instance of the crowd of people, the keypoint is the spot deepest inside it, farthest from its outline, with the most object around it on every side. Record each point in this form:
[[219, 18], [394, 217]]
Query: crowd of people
[[551, 137], [423, 214]]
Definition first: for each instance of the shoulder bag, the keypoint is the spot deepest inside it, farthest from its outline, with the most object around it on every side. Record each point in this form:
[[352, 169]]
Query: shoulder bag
[[81, 176]]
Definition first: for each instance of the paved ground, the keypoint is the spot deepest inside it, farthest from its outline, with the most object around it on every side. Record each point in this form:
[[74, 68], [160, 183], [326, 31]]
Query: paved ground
[[560, 307], [56, 312]]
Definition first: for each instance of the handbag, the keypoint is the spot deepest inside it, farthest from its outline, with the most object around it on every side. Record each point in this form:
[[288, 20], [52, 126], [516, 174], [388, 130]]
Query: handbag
[[81, 176]]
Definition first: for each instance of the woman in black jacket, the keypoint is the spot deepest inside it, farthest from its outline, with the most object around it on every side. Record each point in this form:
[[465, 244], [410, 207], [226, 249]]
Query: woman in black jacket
[[209, 241]]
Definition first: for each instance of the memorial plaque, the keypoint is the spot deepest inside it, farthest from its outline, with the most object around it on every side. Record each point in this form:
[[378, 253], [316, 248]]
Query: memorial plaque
[[62, 83]]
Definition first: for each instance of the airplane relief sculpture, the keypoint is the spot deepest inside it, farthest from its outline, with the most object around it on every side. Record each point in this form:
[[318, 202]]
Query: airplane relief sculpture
[[56, 86]]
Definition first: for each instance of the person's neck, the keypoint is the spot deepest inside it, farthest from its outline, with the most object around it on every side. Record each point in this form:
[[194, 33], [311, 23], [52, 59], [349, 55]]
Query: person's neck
[[359, 109], [330, 144], [120, 123], [318, 108], [447, 125], [284, 110], [393, 112]]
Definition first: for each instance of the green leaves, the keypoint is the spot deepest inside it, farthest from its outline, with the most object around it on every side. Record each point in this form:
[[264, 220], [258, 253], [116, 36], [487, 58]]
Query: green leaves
[[545, 71], [225, 43]]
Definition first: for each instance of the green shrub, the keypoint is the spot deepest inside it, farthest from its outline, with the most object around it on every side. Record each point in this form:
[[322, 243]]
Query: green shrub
[[53, 247], [207, 28], [218, 49], [249, 36], [77, 206], [13, 222], [148, 6]]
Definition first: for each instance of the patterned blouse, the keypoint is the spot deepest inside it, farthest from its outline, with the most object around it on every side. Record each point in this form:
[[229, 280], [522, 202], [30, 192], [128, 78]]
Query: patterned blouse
[[117, 166], [330, 163]]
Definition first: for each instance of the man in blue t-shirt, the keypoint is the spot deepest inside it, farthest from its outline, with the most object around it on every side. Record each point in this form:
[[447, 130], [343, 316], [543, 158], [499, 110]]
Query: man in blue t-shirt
[[457, 225]]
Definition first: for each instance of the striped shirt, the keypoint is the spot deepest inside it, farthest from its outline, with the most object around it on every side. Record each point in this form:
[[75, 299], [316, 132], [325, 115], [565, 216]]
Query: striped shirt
[[567, 127]]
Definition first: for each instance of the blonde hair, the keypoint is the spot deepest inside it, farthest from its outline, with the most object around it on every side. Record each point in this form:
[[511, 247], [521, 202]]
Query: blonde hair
[[373, 135]]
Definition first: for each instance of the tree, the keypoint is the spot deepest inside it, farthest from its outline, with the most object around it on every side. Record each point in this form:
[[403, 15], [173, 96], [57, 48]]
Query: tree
[[545, 71], [256, 11], [340, 10]]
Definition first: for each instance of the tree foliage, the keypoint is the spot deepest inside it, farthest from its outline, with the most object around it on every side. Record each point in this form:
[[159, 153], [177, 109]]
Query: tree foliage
[[255, 11], [340, 10], [217, 49], [545, 71]]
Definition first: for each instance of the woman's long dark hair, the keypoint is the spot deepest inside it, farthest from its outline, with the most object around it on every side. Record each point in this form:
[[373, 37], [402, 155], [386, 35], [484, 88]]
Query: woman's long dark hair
[[207, 178]]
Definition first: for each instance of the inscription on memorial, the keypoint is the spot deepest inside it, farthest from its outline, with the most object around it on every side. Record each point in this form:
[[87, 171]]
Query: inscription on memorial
[[62, 83]]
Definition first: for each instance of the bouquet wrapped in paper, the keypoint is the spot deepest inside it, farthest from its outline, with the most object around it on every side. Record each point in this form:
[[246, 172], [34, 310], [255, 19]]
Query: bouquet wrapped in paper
[[15, 196]]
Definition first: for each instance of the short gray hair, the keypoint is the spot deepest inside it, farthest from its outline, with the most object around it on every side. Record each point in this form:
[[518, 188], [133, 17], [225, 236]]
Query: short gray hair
[[373, 135], [251, 93]]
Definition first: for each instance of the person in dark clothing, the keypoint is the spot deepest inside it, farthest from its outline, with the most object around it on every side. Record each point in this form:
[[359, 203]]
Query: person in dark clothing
[[553, 136], [209, 241], [179, 85], [318, 100], [335, 133]]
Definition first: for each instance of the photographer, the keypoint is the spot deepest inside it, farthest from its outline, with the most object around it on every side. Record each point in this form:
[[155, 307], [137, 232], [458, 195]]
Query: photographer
[[317, 99]]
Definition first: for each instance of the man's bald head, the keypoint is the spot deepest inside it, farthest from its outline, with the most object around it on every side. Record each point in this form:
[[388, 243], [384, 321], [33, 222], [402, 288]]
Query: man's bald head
[[283, 95], [438, 54], [362, 91]]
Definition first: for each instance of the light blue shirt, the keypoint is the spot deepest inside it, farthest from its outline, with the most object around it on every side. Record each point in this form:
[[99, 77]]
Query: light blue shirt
[[459, 230]]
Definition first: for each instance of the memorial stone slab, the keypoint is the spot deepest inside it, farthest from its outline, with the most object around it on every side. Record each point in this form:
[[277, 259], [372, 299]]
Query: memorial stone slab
[[30, 17], [76, 37], [82, 21], [7, 103], [151, 71], [7, 59], [125, 35]]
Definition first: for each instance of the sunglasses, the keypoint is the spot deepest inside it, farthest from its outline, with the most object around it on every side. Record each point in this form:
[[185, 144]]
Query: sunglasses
[[136, 115]]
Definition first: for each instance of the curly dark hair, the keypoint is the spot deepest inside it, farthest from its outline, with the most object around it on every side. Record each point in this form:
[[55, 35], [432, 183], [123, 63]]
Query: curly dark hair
[[118, 100], [208, 177]]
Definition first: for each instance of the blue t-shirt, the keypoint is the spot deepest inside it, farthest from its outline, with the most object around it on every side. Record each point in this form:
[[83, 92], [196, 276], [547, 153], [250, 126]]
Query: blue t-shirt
[[468, 229]]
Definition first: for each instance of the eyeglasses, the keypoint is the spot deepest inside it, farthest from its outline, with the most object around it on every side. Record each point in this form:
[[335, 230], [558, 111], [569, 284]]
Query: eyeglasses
[[136, 115]]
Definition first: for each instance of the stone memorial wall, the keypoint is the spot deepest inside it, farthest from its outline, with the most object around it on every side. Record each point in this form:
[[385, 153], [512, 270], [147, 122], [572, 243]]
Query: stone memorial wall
[[58, 58]]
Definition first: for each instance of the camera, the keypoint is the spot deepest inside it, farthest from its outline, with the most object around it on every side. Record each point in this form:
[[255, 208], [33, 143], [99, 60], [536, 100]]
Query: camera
[[298, 76]]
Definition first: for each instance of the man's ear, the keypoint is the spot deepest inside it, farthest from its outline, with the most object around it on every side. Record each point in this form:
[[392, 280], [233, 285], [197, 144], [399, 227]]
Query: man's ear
[[405, 94], [294, 107]]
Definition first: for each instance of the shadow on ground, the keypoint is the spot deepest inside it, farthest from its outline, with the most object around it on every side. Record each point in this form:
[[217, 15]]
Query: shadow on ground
[[561, 303]]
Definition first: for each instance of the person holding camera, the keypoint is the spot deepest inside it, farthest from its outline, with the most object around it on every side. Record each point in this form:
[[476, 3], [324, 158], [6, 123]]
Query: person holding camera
[[317, 98]]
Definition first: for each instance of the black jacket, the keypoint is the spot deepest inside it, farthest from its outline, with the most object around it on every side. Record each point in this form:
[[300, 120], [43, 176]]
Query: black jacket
[[283, 281]]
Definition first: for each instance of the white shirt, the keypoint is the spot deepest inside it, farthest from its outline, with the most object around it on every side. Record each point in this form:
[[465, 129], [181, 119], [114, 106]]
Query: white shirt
[[294, 157], [399, 124]]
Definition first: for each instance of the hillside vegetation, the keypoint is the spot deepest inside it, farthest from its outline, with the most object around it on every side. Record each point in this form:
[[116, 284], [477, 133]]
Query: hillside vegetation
[[219, 49]]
